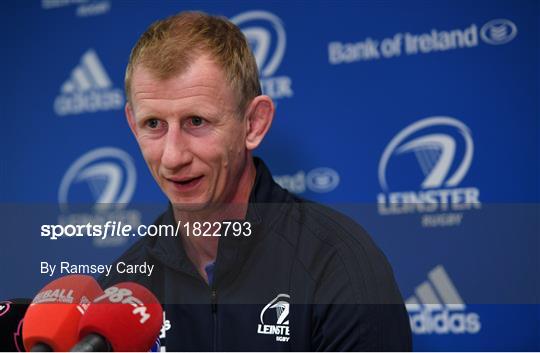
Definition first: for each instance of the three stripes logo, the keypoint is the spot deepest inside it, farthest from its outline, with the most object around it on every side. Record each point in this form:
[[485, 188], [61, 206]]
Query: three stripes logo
[[437, 307], [88, 89]]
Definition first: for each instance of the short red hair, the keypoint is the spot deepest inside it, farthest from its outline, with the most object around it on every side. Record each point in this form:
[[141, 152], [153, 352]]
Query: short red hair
[[170, 45]]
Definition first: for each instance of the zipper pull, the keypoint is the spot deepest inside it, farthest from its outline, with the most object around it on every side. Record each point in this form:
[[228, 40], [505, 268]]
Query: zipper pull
[[214, 300]]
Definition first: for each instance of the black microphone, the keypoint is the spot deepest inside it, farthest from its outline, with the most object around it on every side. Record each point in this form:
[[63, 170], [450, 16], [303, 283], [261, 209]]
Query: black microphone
[[92, 343], [11, 320], [41, 347], [126, 318]]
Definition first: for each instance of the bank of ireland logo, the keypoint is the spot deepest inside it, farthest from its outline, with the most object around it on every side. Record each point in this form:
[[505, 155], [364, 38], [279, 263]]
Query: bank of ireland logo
[[274, 318], [88, 89], [498, 31], [437, 307], [434, 143], [266, 35], [322, 179], [319, 180], [105, 178]]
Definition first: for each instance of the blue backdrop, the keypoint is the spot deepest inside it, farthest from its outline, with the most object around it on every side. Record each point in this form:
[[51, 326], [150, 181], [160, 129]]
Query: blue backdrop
[[419, 119]]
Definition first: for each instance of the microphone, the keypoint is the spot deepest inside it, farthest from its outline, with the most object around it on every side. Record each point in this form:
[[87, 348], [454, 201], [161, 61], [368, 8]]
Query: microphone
[[11, 320], [126, 318], [52, 320]]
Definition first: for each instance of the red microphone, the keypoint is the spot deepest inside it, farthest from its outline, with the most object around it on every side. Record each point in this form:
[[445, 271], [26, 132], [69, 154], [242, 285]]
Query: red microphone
[[52, 320], [126, 318]]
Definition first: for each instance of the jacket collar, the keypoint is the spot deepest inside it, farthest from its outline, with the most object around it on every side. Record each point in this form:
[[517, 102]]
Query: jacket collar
[[266, 202]]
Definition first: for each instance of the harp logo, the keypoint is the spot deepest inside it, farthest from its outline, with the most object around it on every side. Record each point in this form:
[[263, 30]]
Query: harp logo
[[108, 172], [266, 35], [98, 187], [275, 318], [435, 154]]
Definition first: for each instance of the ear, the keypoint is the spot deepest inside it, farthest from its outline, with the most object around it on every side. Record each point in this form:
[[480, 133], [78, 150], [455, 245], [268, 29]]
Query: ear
[[130, 116], [258, 118]]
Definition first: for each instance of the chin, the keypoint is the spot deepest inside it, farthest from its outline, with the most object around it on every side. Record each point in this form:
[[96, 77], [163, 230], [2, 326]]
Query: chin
[[188, 205]]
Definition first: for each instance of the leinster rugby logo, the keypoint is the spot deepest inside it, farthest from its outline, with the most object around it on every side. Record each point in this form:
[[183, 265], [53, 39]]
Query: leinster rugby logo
[[97, 188], [443, 150], [275, 318], [109, 173], [266, 35]]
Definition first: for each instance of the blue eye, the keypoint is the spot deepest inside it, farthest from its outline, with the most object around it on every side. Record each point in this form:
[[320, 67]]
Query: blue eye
[[196, 121]]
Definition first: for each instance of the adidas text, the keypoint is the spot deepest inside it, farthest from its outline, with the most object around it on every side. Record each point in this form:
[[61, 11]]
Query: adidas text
[[89, 102], [444, 322]]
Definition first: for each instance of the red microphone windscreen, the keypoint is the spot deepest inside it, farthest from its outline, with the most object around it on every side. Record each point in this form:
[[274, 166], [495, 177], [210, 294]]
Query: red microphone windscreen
[[54, 315], [127, 315]]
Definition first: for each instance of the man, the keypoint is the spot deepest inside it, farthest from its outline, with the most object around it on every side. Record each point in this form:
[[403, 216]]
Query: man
[[299, 276]]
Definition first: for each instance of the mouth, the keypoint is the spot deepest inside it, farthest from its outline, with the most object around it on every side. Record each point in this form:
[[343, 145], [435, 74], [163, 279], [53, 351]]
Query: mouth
[[185, 184]]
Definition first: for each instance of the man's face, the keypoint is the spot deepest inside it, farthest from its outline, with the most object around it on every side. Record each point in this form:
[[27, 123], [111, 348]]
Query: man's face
[[190, 134]]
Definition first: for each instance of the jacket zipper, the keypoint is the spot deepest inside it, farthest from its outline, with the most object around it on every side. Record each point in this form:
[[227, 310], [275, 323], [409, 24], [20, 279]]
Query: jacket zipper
[[214, 317]]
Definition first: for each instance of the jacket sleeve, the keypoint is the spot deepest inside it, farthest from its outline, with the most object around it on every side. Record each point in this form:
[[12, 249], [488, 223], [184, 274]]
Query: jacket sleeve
[[357, 304]]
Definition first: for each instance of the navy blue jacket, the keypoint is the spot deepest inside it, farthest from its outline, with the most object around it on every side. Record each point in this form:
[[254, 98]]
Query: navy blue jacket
[[307, 279]]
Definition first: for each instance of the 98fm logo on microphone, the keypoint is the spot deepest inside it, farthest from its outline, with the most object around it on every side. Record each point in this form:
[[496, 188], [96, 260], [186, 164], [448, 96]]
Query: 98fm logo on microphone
[[120, 311], [125, 296]]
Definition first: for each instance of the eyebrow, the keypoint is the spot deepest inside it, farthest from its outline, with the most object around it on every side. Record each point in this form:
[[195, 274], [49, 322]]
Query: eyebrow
[[194, 110]]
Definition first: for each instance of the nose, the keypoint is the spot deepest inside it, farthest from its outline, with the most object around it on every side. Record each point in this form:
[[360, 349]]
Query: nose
[[176, 152]]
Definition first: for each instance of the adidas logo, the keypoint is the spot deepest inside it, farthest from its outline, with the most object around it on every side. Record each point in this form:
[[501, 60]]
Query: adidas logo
[[88, 89], [437, 307]]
